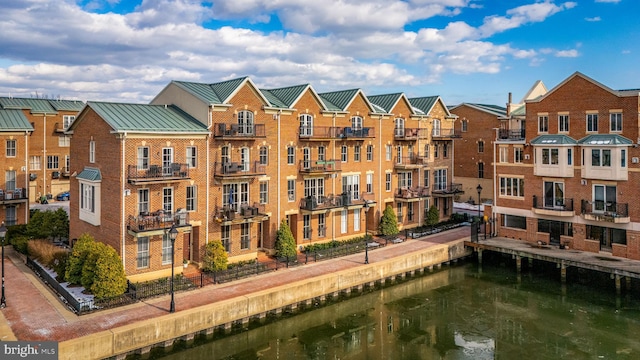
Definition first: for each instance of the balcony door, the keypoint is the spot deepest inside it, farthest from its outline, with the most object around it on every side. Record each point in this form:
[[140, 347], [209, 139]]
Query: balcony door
[[306, 125], [604, 198], [167, 159], [315, 189], [399, 129], [553, 194]]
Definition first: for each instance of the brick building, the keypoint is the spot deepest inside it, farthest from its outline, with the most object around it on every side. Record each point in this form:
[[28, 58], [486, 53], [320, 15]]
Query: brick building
[[15, 132], [326, 163], [48, 166], [575, 179]]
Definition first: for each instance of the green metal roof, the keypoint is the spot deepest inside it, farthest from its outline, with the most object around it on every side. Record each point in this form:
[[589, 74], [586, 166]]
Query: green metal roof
[[14, 120], [386, 101], [67, 105], [423, 104], [604, 139], [519, 111], [146, 118], [90, 174], [217, 93], [36, 106], [284, 97], [338, 100], [553, 139]]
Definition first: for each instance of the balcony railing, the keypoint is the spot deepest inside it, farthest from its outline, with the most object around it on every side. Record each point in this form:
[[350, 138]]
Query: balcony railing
[[157, 220], [332, 132], [238, 131], [238, 213], [320, 166], [11, 195], [410, 133], [553, 204], [410, 161], [312, 203], [608, 210], [447, 189], [174, 171], [511, 135], [239, 169], [412, 192], [446, 133]]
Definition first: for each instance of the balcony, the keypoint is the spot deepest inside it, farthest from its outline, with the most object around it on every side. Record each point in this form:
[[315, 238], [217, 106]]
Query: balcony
[[446, 189], [229, 215], [323, 203], [605, 211], [59, 128], [65, 172], [157, 173], [320, 166], [158, 220], [553, 207], [411, 194], [332, 132], [410, 162], [13, 196], [238, 169], [239, 132], [511, 135], [444, 134], [410, 134]]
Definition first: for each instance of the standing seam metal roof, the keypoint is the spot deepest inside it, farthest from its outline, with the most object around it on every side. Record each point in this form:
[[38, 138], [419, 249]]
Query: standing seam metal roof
[[424, 104], [338, 100], [386, 101], [284, 97], [14, 120]]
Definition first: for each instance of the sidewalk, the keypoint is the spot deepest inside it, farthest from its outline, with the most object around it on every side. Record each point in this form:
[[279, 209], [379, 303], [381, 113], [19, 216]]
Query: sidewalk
[[34, 313]]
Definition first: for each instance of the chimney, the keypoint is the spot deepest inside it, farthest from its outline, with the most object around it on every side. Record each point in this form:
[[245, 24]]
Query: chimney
[[509, 105]]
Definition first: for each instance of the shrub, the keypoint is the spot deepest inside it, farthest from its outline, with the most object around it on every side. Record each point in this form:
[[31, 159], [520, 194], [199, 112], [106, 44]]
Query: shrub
[[285, 242], [73, 273], [109, 278], [433, 215], [90, 263], [388, 222], [215, 256], [21, 243], [59, 265], [43, 251]]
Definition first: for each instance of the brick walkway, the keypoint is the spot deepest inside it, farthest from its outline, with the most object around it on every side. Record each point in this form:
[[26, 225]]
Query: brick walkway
[[34, 313]]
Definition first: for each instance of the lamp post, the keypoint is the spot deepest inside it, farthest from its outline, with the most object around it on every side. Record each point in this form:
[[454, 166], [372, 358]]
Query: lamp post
[[366, 233], [173, 233], [479, 189], [3, 233]]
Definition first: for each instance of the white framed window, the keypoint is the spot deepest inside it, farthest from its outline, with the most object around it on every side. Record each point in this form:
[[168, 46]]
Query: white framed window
[[480, 146], [399, 212], [405, 179], [89, 201], [167, 199], [167, 160], [436, 150], [11, 215], [445, 150], [306, 158], [343, 221], [601, 157], [35, 163], [306, 226], [245, 159], [369, 152], [543, 124], [604, 198], [356, 123], [142, 257], [399, 154], [166, 249], [92, 151], [511, 187], [563, 123], [191, 202], [264, 192], [64, 141], [592, 122], [426, 178], [10, 180], [344, 153], [245, 236], [410, 211], [225, 237], [264, 155], [615, 120], [143, 201], [440, 179], [192, 156], [245, 122], [225, 154], [399, 127], [291, 155], [518, 154], [388, 152], [143, 158], [322, 228], [314, 187], [11, 148], [356, 152], [465, 124], [306, 125], [550, 156], [67, 120], [504, 154], [322, 153], [351, 185], [387, 182], [356, 219], [481, 170], [369, 183], [291, 190], [52, 162], [436, 128], [235, 195], [426, 151]]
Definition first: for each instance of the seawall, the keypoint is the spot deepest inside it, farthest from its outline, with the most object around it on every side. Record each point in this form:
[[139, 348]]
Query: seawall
[[185, 324]]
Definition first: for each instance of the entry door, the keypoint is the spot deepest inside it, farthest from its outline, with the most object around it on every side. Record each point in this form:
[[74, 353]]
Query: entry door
[[555, 231]]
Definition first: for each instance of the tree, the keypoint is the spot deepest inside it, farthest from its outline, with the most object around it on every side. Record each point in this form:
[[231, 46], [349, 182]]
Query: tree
[[215, 256], [73, 272], [433, 216], [90, 262], [285, 242], [48, 224], [389, 222], [109, 280]]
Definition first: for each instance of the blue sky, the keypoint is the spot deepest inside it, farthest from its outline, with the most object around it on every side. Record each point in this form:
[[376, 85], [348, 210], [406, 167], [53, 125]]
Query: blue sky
[[463, 50]]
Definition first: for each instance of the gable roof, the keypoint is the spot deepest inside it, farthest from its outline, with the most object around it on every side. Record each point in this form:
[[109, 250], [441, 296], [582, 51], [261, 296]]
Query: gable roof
[[40, 106], [90, 174], [386, 102], [339, 100], [14, 120], [491, 109], [424, 105], [218, 93], [285, 97], [619, 93], [144, 118]]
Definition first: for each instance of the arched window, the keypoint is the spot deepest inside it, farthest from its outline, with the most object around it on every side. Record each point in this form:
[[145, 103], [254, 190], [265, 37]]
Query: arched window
[[245, 122], [356, 123], [306, 125], [264, 155]]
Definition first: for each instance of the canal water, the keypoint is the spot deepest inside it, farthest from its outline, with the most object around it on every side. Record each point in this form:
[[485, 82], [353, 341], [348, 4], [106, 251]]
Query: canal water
[[461, 312]]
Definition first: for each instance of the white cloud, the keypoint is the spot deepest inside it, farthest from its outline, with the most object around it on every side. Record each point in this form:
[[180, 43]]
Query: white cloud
[[521, 15], [567, 53], [593, 19], [608, 1]]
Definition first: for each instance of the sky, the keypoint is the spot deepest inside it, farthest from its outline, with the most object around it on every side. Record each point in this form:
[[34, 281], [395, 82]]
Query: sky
[[462, 50]]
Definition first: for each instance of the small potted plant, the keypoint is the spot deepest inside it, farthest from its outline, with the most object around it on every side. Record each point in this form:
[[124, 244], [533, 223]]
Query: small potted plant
[[185, 263]]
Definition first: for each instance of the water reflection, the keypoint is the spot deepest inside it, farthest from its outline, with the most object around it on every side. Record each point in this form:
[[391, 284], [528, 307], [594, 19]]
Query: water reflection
[[457, 313]]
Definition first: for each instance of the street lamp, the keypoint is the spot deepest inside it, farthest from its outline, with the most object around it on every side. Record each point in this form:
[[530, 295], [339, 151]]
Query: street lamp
[[479, 189], [366, 233], [173, 233], [3, 233]]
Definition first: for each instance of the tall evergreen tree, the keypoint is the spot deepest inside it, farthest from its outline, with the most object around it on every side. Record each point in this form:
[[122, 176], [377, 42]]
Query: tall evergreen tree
[[285, 242], [389, 222], [215, 256], [109, 280]]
